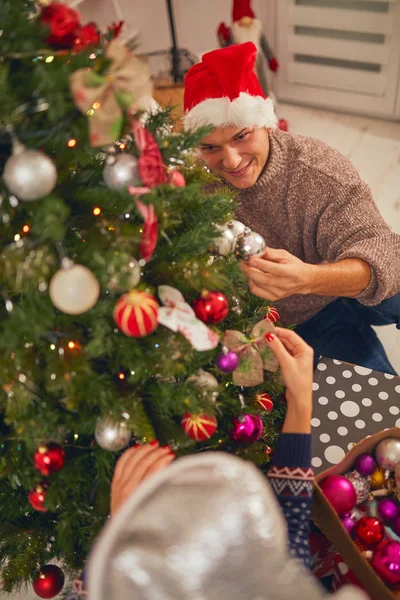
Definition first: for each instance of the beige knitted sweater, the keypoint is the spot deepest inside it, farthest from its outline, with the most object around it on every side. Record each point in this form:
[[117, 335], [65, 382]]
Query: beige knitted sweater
[[310, 201]]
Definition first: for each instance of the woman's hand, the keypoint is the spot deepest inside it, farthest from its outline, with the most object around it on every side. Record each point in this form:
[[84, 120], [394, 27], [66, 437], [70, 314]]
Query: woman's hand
[[296, 361], [135, 465]]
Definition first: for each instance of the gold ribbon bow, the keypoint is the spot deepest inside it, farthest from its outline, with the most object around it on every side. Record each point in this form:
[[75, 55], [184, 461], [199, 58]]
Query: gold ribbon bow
[[254, 354], [104, 96]]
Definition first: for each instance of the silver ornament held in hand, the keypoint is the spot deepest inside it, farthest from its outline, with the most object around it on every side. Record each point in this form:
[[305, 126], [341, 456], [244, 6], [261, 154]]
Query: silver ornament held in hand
[[122, 173], [29, 174], [361, 484], [249, 245], [112, 435], [387, 454]]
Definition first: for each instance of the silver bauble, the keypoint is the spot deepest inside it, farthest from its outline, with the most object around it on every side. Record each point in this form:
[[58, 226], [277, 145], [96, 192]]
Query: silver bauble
[[237, 228], [122, 173], [29, 174], [225, 244], [250, 245], [361, 484], [123, 273], [206, 383], [387, 453], [74, 289], [112, 435]]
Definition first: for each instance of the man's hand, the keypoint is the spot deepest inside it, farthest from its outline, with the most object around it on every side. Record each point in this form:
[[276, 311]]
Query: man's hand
[[277, 274], [135, 465]]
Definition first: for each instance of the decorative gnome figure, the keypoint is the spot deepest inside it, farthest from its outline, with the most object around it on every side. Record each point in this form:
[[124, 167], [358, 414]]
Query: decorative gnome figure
[[247, 28]]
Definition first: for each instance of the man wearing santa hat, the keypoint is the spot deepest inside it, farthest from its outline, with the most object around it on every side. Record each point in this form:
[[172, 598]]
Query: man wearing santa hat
[[332, 263]]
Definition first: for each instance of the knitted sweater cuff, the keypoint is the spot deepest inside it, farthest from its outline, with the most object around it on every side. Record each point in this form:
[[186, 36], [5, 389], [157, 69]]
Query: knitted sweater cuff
[[293, 450]]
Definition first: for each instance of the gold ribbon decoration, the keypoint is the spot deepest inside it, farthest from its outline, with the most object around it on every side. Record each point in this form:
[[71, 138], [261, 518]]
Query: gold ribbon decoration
[[255, 356], [104, 96]]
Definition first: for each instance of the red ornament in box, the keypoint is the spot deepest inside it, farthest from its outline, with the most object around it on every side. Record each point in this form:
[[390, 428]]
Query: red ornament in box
[[272, 314], [49, 459], [265, 402], [49, 581], [37, 496], [211, 307], [370, 530], [136, 313], [62, 22], [199, 427]]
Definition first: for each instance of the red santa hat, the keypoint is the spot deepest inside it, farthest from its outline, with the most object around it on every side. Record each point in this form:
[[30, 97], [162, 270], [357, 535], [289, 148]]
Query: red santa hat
[[223, 90], [242, 8]]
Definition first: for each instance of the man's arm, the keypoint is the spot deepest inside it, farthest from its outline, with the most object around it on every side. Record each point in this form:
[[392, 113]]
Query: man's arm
[[278, 274]]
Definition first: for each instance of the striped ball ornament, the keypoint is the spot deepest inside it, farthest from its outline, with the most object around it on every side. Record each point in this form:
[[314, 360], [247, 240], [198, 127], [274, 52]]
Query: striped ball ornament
[[199, 427], [272, 314], [265, 401], [136, 313]]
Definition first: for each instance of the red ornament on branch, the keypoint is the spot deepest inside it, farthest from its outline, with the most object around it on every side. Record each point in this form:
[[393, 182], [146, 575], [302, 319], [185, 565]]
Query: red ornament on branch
[[49, 581], [136, 313], [211, 307], [88, 35], [199, 427], [37, 496], [272, 314], [265, 401], [62, 22], [49, 459]]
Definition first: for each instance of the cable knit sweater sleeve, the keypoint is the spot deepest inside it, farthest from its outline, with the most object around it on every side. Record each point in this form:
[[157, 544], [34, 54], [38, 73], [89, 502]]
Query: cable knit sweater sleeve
[[349, 225]]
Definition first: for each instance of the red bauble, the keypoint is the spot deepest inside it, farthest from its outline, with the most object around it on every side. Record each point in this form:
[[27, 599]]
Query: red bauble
[[272, 314], [199, 427], [49, 459], [49, 582], [63, 23], [88, 35], [136, 313], [370, 530], [37, 496], [211, 308], [265, 401]]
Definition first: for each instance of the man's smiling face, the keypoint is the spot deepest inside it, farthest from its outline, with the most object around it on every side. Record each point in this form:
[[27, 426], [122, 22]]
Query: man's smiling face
[[236, 154]]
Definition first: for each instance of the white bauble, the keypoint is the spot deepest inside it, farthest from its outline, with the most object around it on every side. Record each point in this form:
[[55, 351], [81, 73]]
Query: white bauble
[[112, 435], [122, 172], [74, 289], [206, 383], [226, 242], [29, 174]]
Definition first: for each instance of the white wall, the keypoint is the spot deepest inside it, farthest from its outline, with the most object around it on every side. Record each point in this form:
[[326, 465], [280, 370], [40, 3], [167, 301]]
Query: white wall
[[196, 20]]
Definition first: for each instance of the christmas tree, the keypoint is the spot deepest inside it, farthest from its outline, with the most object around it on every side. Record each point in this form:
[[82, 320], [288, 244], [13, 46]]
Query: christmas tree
[[125, 317]]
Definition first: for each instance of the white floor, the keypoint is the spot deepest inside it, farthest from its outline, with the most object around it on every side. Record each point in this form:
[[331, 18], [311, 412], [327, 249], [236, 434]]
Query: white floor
[[373, 146]]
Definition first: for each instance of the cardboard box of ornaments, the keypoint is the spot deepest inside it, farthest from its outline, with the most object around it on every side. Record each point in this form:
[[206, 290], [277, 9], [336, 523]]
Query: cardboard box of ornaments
[[328, 521]]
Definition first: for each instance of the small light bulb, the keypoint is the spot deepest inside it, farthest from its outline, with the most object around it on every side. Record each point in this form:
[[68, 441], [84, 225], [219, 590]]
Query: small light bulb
[[52, 346], [49, 59], [17, 237], [96, 211], [121, 376], [122, 146], [71, 143], [96, 105], [26, 228], [71, 345], [76, 436], [90, 112]]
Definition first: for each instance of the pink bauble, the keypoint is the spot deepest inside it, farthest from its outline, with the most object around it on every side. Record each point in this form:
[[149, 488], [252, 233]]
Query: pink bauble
[[386, 562], [227, 363], [348, 523], [340, 493], [246, 429], [388, 510], [396, 526], [177, 179], [365, 464]]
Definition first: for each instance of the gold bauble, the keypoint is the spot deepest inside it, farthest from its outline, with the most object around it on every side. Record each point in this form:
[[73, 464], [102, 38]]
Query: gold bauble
[[378, 480]]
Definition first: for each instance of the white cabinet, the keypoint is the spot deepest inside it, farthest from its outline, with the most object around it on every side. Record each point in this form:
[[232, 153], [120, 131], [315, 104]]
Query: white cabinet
[[339, 54]]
